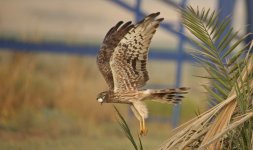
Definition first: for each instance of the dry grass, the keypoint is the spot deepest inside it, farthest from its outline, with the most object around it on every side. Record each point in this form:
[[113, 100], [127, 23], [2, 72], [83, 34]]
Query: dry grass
[[38, 82], [66, 83], [48, 98]]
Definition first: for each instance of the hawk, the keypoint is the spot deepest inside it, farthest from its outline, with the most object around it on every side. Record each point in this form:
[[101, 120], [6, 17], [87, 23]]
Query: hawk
[[122, 61]]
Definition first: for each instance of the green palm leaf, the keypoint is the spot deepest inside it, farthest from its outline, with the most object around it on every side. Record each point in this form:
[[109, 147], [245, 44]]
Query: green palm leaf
[[222, 55], [123, 124], [230, 70], [216, 51]]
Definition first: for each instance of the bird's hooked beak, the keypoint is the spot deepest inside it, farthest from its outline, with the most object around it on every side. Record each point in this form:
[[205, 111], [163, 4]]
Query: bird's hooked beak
[[100, 100]]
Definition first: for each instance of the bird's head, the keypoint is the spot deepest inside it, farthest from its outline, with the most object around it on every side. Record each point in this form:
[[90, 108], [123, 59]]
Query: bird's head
[[102, 97]]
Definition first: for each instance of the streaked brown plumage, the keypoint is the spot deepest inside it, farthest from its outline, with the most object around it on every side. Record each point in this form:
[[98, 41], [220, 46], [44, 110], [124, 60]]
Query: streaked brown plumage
[[122, 61]]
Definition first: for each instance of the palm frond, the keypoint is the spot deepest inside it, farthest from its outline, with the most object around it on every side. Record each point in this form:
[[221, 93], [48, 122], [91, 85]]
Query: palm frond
[[216, 51], [230, 72], [229, 128], [217, 122], [123, 124]]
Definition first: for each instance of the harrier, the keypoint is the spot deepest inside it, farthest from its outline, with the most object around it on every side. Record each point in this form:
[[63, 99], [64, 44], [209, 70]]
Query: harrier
[[122, 61]]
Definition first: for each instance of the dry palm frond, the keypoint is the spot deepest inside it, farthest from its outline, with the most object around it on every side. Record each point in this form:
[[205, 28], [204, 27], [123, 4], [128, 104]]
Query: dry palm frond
[[233, 125], [200, 127], [230, 72]]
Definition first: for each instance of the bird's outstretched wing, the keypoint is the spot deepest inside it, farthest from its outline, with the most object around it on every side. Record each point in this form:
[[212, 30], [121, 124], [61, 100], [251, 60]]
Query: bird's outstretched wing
[[128, 61], [111, 40]]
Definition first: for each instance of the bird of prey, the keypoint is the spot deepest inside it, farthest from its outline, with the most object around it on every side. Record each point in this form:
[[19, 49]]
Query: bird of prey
[[122, 61]]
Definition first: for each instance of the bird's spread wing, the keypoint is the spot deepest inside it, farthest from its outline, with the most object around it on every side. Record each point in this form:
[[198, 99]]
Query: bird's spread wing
[[111, 40], [128, 61]]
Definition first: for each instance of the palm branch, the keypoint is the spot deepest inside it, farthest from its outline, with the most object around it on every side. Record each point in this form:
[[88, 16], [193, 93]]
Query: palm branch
[[219, 51], [229, 68], [124, 126]]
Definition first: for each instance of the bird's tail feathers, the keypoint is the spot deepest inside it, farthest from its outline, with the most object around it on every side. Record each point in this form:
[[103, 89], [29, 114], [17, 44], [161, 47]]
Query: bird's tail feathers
[[174, 95]]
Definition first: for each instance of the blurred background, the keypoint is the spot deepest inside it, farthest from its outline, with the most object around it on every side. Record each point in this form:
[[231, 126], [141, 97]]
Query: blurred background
[[49, 79]]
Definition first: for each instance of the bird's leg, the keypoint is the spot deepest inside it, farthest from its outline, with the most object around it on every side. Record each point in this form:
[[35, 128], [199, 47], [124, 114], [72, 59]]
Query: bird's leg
[[140, 126], [143, 128]]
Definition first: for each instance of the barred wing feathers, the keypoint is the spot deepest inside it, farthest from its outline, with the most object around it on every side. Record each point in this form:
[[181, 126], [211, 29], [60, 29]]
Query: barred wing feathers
[[128, 61], [111, 40]]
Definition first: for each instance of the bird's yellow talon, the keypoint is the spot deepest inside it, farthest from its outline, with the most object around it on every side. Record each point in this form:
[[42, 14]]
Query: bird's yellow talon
[[144, 132]]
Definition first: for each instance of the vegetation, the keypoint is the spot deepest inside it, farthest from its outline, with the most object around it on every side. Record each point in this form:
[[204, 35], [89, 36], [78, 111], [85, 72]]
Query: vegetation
[[229, 64], [48, 101], [126, 130], [37, 97]]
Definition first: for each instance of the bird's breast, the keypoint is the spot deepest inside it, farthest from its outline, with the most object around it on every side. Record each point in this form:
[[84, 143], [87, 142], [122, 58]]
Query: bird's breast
[[125, 97]]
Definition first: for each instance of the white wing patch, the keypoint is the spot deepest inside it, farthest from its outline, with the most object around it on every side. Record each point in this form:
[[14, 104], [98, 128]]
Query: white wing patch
[[139, 109], [147, 92]]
